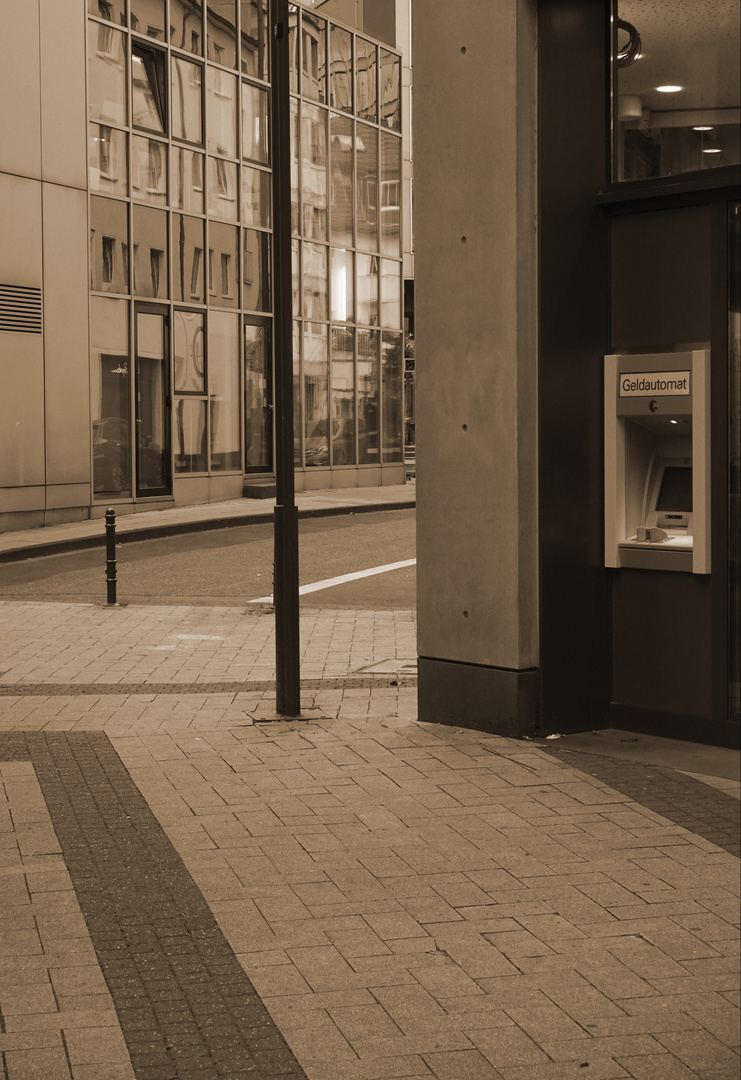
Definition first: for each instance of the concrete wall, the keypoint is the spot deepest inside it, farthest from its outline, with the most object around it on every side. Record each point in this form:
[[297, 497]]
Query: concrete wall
[[475, 283]]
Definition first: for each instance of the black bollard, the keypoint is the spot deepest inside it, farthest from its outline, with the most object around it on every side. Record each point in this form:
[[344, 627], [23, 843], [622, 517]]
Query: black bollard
[[110, 554]]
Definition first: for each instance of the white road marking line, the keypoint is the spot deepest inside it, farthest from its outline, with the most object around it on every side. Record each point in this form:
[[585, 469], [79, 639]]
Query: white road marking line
[[317, 586]]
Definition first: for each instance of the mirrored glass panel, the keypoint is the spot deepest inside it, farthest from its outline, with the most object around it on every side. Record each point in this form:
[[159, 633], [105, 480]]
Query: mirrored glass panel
[[390, 91], [390, 293], [109, 246], [314, 171], [368, 397], [340, 68], [256, 271], [343, 395], [187, 258], [223, 382], [342, 285], [107, 156], [257, 398], [113, 10], [148, 89], [221, 112], [189, 433], [298, 421], [341, 180], [222, 32], [110, 396], [188, 358], [295, 202], [313, 57], [390, 195], [295, 277], [255, 197], [222, 189], [152, 402], [366, 148], [368, 289], [255, 39], [293, 48], [150, 252], [366, 79], [186, 25], [186, 180], [391, 389], [148, 17], [316, 405], [106, 74], [223, 265], [187, 105], [314, 281], [255, 124], [149, 170], [677, 88]]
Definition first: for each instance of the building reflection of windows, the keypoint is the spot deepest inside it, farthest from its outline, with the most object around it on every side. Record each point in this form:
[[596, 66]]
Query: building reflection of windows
[[313, 57], [341, 180], [257, 394], [110, 396], [256, 271], [150, 252], [223, 260], [223, 390], [390, 91], [186, 180], [222, 32], [343, 395], [186, 81], [368, 397], [107, 92], [314, 172], [186, 25], [340, 69], [255, 38], [366, 71], [187, 258], [221, 112], [149, 170], [222, 189], [108, 245]]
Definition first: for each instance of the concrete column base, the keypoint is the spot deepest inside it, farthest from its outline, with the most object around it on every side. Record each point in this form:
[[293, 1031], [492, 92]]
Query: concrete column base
[[494, 700]]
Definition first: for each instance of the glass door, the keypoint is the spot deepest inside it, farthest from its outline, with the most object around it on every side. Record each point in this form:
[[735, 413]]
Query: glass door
[[258, 404], [153, 474]]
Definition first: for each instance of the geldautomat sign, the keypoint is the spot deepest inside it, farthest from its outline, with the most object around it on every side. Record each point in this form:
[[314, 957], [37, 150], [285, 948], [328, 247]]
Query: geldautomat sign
[[654, 383]]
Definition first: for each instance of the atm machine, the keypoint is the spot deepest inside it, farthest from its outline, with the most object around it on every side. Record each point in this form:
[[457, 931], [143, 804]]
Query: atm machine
[[657, 461]]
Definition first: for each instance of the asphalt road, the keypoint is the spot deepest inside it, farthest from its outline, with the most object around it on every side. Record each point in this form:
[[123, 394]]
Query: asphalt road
[[233, 566]]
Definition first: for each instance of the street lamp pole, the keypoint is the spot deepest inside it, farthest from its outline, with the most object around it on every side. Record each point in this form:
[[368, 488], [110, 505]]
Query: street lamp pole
[[285, 571]]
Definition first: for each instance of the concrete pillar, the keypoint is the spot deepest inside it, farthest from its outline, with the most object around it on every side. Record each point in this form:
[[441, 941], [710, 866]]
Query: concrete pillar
[[476, 318]]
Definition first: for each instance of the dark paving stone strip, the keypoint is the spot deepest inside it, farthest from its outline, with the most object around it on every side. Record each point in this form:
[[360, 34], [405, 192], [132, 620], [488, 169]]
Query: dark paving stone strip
[[691, 803], [349, 682], [186, 1008]]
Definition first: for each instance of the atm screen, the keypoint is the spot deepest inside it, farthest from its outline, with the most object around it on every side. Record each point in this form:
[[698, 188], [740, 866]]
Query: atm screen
[[675, 493]]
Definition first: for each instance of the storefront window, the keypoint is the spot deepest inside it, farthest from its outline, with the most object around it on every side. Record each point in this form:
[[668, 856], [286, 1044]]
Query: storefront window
[[187, 104], [257, 397], [150, 252], [109, 245], [110, 375], [108, 167], [189, 424], [186, 25], [149, 170], [316, 405], [188, 359], [341, 180], [343, 395], [255, 197], [366, 75], [676, 88], [391, 388], [106, 75], [187, 258], [223, 383], [186, 183], [368, 397]]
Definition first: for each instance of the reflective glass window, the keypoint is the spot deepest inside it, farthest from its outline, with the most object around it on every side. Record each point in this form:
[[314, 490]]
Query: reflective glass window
[[313, 57], [366, 144], [106, 74], [222, 189], [314, 171], [188, 357], [187, 105], [391, 389], [109, 246], [256, 271], [221, 112], [110, 396], [390, 194], [150, 252], [149, 170], [296, 277], [316, 403], [366, 78], [187, 258], [148, 17], [186, 180], [255, 124], [342, 285], [255, 38], [367, 289], [222, 32], [340, 68], [223, 264], [113, 10], [255, 197], [257, 398], [390, 91], [189, 434], [293, 48], [298, 422], [341, 180], [148, 95], [390, 293], [295, 199], [343, 395], [368, 397], [223, 383], [108, 165], [314, 281], [186, 25]]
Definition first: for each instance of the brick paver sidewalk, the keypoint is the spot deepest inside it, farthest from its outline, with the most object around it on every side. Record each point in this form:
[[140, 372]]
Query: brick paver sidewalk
[[191, 890]]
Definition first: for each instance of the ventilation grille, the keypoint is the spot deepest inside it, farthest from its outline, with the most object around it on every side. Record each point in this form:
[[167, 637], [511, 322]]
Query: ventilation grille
[[20, 309]]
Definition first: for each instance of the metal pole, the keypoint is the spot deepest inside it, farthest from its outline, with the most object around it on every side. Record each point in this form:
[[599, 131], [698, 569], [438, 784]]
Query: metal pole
[[110, 554], [285, 580]]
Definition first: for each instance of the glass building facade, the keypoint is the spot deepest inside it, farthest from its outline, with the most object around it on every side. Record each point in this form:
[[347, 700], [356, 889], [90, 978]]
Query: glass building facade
[[181, 256]]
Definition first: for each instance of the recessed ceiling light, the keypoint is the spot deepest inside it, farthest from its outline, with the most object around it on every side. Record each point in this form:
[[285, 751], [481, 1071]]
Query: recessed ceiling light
[[669, 89], [712, 150], [702, 127]]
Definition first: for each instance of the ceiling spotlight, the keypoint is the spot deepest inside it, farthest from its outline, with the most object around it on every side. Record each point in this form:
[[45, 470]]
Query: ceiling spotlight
[[702, 127], [712, 150], [669, 89]]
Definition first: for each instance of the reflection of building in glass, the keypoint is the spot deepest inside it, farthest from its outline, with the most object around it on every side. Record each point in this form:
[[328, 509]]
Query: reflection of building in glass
[[157, 235]]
